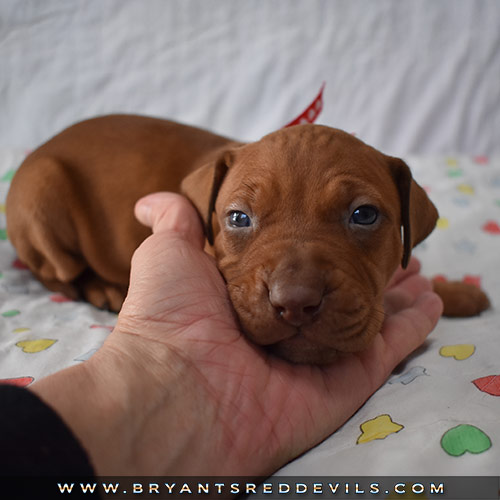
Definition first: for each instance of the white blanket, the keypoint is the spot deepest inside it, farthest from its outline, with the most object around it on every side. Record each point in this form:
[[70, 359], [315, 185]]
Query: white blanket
[[441, 389], [420, 80]]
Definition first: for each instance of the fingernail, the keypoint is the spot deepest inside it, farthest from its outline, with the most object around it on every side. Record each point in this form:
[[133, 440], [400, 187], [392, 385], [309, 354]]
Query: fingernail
[[143, 211]]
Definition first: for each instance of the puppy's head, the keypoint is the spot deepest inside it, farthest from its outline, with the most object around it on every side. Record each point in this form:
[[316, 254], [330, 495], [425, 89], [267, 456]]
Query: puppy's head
[[308, 225]]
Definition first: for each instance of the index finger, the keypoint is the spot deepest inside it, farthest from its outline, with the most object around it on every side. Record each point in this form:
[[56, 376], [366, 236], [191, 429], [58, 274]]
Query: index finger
[[165, 212]]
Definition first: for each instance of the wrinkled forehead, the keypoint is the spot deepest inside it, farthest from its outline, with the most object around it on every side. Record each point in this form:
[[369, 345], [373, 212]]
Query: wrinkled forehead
[[308, 156]]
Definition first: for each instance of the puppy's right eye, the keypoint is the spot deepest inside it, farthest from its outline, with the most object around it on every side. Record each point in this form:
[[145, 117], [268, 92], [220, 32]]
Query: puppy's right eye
[[239, 219]]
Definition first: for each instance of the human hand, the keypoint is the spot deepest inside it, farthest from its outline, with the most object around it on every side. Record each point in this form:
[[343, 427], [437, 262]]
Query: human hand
[[180, 391]]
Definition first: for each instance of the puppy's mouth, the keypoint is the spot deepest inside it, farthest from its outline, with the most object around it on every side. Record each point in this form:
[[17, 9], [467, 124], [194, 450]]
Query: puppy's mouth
[[299, 349], [345, 323], [316, 343], [306, 345]]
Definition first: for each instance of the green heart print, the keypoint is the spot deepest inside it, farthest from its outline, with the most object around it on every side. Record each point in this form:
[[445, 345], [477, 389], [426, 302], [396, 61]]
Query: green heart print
[[465, 438]]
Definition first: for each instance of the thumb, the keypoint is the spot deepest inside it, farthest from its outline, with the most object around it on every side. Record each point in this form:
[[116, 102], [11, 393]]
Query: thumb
[[167, 212]]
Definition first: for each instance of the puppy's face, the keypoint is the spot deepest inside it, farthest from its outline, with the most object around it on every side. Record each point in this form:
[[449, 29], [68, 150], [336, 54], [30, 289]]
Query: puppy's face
[[307, 226]]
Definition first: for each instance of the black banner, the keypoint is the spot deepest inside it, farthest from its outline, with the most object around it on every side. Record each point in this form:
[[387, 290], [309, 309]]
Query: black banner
[[306, 488]]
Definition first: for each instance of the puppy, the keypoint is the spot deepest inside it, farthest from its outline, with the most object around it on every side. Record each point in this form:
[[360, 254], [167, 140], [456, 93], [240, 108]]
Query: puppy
[[307, 225]]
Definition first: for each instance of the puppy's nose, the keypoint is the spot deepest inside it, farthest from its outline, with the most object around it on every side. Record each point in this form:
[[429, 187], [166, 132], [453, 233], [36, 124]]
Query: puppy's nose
[[296, 304]]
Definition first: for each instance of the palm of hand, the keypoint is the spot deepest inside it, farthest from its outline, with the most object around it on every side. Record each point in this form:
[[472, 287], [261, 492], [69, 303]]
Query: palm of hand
[[262, 410]]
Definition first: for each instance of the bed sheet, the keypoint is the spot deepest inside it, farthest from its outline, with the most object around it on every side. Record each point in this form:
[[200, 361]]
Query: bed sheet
[[407, 78], [438, 415]]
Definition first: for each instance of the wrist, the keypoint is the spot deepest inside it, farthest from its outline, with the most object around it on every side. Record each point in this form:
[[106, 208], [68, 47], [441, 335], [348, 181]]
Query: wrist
[[131, 412]]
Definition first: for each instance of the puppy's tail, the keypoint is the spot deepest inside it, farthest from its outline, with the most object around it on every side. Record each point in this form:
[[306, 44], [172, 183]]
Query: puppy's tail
[[460, 299]]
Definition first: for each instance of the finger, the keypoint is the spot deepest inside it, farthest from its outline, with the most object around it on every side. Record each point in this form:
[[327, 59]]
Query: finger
[[404, 294], [400, 274], [164, 212], [405, 331]]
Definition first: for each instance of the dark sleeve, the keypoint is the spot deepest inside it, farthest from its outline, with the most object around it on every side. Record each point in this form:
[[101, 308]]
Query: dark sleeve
[[34, 440]]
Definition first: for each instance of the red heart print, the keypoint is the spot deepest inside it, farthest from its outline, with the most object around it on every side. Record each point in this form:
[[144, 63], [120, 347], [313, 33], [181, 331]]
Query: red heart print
[[59, 299], [489, 384], [17, 264], [440, 278], [18, 381], [472, 280], [491, 227]]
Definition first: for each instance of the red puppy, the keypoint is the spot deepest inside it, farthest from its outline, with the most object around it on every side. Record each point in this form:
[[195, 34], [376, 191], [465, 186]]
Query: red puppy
[[307, 225]]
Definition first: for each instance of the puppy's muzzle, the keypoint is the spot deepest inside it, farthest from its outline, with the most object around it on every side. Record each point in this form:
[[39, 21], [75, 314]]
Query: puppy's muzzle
[[296, 304], [296, 289]]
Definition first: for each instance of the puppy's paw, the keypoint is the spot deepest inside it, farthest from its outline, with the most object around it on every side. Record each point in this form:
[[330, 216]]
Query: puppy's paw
[[461, 299], [101, 293]]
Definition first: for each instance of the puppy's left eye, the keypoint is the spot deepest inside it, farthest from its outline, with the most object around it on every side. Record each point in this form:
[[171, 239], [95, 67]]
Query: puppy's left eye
[[239, 219], [364, 215]]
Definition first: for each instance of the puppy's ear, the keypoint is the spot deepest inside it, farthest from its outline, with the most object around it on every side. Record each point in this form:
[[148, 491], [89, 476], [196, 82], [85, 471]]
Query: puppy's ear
[[418, 213], [202, 187]]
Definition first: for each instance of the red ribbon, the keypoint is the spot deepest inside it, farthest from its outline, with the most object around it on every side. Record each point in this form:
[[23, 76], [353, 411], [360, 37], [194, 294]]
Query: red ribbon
[[311, 113]]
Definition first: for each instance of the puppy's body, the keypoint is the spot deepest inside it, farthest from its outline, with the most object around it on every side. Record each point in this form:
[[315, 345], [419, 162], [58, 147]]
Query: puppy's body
[[70, 205], [305, 224]]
